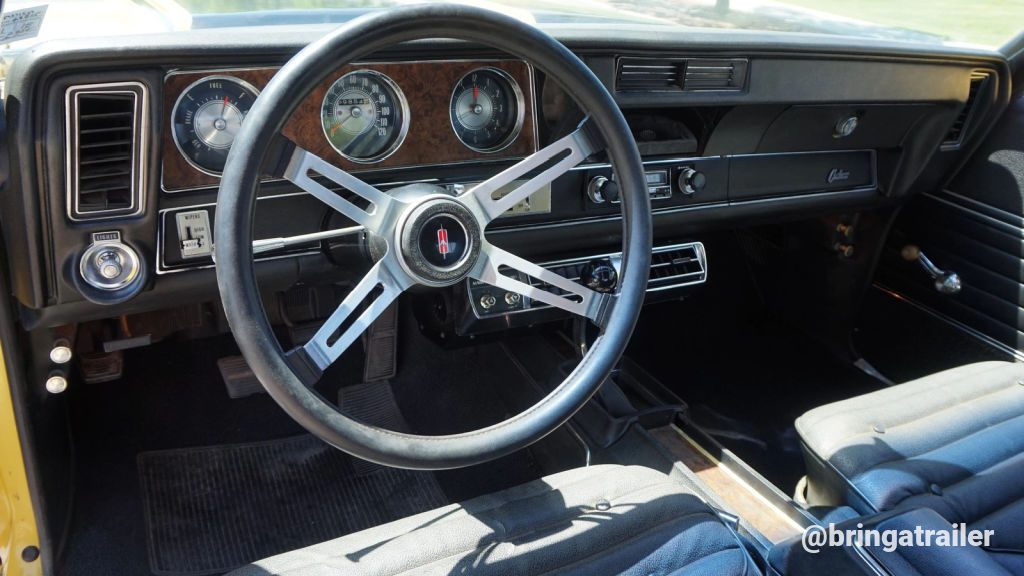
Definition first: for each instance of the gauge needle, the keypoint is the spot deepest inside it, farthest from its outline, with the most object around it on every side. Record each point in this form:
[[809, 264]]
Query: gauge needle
[[338, 125], [224, 108], [476, 94]]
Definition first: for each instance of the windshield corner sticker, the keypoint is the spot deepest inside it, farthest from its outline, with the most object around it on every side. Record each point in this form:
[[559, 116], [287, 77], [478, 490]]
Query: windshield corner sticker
[[21, 24]]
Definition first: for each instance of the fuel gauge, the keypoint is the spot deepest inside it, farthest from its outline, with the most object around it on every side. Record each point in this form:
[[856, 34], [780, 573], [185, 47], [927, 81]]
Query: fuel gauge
[[206, 118], [487, 110]]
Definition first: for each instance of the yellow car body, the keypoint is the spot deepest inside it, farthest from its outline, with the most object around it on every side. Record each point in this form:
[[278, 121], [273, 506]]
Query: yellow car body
[[17, 518]]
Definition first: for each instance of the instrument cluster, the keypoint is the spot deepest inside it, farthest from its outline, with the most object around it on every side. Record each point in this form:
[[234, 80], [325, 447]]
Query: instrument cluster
[[365, 115]]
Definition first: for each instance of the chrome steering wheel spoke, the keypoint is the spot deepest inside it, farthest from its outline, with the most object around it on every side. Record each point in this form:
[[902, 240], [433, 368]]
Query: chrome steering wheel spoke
[[506, 271], [381, 286], [554, 160], [378, 216]]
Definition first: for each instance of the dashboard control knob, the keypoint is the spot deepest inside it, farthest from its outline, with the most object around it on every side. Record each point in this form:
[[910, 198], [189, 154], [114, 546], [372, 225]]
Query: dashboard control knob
[[601, 190], [56, 384], [61, 352], [691, 181], [600, 276], [487, 301]]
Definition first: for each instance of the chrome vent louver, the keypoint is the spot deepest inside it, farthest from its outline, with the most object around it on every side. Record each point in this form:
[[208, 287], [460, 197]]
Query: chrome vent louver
[[105, 150], [677, 266], [647, 74], [956, 133], [671, 267], [706, 74], [634, 74]]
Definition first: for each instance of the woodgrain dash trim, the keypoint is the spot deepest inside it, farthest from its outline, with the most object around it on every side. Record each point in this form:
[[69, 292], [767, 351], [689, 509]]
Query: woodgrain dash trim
[[427, 86]]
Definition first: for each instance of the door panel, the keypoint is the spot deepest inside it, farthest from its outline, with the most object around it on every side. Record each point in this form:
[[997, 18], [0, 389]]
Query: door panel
[[975, 227]]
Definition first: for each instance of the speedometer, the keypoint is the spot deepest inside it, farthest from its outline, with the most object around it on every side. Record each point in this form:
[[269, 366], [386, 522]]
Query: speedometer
[[365, 116], [487, 110], [206, 118]]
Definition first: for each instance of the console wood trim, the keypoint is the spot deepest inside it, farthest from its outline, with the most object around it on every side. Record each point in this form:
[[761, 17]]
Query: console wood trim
[[741, 497]]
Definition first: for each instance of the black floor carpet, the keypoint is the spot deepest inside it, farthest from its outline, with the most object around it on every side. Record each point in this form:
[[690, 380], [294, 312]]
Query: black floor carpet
[[448, 391], [212, 509], [172, 398]]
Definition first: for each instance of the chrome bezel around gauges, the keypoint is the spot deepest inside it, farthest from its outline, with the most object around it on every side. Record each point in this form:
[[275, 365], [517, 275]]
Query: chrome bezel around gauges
[[520, 102], [245, 86], [403, 127]]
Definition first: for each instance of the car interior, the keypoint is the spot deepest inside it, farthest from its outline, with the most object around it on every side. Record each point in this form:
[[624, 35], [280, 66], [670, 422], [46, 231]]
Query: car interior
[[470, 293]]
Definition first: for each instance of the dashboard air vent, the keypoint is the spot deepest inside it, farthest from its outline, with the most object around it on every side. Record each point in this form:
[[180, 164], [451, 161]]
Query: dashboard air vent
[[677, 266], [955, 136], [105, 150], [649, 74], [703, 74], [671, 267]]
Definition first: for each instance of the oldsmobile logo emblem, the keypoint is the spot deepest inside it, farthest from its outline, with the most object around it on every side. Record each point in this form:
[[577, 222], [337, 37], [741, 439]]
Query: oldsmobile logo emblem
[[442, 242]]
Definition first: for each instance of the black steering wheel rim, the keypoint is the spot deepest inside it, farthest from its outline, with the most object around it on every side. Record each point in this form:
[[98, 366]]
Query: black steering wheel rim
[[236, 203]]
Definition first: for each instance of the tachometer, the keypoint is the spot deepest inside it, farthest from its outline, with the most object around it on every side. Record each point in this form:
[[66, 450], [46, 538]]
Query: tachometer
[[365, 116], [206, 118], [487, 110]]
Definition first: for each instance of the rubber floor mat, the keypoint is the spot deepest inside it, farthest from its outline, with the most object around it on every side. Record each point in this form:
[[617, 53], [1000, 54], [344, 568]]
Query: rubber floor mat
[[371, 403], [209, 510]]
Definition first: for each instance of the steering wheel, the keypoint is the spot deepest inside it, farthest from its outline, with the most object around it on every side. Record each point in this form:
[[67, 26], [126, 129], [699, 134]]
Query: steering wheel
[[400, 218]]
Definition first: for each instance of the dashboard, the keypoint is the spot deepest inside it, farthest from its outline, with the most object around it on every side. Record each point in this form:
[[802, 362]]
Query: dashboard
[[116, 146]]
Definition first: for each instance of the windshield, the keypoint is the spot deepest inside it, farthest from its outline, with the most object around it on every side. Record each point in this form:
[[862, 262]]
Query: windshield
[[987, 23]]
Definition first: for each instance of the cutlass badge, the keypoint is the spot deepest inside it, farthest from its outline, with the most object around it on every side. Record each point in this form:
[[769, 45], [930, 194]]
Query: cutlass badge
[[838, 175]]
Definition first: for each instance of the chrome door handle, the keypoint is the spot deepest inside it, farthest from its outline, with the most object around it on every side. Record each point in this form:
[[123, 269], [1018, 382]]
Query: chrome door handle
[[945, 281]]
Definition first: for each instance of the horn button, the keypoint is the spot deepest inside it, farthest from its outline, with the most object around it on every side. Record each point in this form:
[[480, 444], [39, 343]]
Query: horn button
[[440, 242]]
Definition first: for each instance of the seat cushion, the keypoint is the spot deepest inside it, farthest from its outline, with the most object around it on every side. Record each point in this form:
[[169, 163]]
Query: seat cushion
[[598, 520], [952, 442]]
